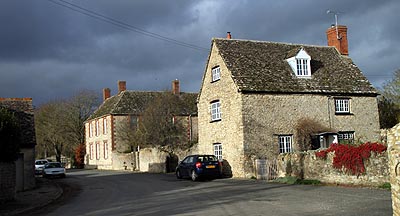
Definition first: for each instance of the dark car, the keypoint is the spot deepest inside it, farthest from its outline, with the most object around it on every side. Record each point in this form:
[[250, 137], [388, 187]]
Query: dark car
[[197, 166]]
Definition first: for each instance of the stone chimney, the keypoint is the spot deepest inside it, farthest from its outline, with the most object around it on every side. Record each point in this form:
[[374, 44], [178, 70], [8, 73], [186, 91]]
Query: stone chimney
[[337, 37], [175, 87], [121, 86], [228, 35], [106, 93]]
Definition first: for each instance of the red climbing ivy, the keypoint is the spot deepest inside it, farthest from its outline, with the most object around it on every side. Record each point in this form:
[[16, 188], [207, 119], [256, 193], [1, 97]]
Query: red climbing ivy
[[351, 158]]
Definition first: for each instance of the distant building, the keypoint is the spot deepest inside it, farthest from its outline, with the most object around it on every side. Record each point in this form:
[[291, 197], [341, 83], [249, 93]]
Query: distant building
[[104, 148]]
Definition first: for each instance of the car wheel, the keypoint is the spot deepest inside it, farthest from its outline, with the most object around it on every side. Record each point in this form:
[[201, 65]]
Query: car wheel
[[194, 175], [178, 174]]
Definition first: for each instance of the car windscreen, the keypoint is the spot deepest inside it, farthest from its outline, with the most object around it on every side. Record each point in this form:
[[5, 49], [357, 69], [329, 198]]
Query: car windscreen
[[53, 165], [40, 162], [206, 158]]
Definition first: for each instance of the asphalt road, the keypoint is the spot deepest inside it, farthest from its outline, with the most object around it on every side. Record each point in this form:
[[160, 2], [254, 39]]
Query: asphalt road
[[93, 192]]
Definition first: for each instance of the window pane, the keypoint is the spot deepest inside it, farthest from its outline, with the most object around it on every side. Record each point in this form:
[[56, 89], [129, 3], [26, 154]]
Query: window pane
[[285, 144], [215, 111], [342, 105], [216, 74]]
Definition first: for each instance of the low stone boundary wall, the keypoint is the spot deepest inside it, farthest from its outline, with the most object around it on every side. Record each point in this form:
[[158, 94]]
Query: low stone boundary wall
[[393, 139], [7, 181], [306, 165]]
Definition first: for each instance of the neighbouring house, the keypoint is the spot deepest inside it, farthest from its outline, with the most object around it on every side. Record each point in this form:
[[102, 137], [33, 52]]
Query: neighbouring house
[[254, 93], [20, 175], [106, 146]]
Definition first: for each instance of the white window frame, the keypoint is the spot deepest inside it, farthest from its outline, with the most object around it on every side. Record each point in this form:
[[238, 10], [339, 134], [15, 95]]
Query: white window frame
[[218, 150], [285, 143], [104, 125], [302, 67], [216, 74], [342, 105], [91, 153], [105, 146], [97, 151], [346, 135], [215, 108], [90, 129], [97, 128]]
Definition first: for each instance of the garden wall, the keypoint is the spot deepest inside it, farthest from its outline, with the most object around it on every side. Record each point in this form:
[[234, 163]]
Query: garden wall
[[7, 181], [393, 140], [306, 165]]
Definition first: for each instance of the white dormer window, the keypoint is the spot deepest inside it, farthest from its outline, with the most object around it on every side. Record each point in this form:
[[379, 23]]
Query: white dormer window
[[300, 64], [302, 67]]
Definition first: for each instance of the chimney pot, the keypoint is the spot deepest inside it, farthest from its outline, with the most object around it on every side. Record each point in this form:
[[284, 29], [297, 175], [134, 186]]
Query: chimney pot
[[106, 93], [175, 87], [228, 35], [337, 37], [121, 86]]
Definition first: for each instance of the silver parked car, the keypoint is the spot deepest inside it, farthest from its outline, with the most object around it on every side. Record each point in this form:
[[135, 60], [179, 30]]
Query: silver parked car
[[54, 169], [39, 165]]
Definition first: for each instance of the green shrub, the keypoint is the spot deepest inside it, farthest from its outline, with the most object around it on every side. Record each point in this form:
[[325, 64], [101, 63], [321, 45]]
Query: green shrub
[[386, 185], [309, 182]]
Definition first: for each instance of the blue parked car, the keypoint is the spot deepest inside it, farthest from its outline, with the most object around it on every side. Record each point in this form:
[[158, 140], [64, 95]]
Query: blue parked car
[[197, 166]]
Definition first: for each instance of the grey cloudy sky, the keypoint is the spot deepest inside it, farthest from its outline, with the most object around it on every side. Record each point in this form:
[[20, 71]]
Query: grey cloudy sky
[[49, 51]]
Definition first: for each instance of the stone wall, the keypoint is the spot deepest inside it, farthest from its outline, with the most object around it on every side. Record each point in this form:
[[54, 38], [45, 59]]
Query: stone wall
[[393, 139], [152, 160], [7, 181], [306, 165], [229, 130], [122, 161], [266, 116]]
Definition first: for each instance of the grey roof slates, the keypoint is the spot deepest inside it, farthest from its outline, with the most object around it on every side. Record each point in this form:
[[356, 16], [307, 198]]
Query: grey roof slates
[[135, 103], [259, 66]]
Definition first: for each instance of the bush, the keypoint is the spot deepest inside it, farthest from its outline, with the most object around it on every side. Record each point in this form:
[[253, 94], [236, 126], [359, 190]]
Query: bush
[[386, 185], [9, 136], [351, 158]]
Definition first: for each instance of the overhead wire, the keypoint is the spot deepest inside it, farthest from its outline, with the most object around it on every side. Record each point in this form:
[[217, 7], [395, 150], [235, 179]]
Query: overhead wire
[[124, 25]]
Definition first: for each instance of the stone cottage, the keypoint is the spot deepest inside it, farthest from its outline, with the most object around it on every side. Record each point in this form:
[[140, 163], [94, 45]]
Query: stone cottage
[[105, 144], [253, 94]]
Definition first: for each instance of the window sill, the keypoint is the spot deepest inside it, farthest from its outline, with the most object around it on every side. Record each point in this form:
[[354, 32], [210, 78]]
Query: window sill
[[344, 114], [216, 120], [215, 81]]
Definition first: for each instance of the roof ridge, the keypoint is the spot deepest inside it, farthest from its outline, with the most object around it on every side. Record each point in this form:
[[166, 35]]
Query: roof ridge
[[275, 42], [119, 97]]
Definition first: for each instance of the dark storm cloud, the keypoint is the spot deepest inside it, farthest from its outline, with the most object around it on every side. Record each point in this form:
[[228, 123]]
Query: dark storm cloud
[[48, 51]]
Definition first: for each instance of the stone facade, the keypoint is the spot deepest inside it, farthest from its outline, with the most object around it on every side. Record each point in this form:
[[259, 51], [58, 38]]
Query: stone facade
[[306, 165], [251, 121], [266, 116], [393, 140], [228, 131], [99, 142], [254, 115]]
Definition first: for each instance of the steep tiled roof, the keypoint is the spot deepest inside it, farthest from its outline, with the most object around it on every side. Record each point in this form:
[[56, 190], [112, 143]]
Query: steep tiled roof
[[23, 111], [135, 102], [259, 66]]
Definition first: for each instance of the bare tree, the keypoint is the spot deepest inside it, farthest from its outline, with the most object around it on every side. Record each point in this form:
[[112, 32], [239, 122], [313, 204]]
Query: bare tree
[[50, 127], [160, 125], [60, 124], [389, 102]]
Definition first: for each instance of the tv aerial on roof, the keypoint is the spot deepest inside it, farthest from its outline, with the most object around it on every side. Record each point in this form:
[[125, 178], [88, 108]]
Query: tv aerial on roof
[[336, 13]]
